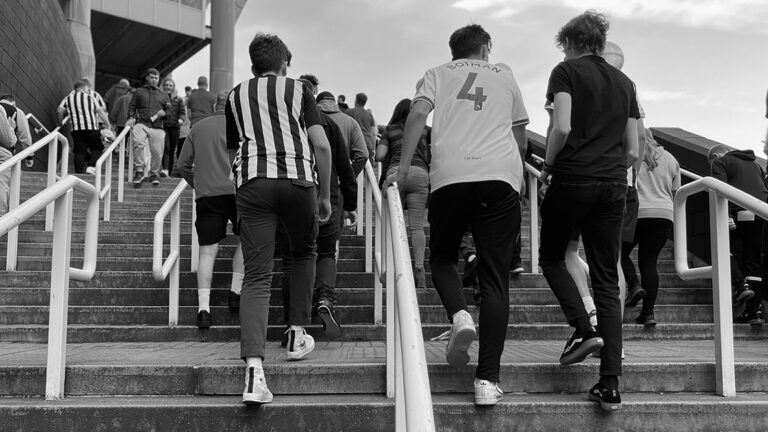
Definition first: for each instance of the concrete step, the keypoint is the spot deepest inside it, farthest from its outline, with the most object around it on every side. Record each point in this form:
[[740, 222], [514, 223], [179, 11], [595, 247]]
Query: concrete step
[[347, 314], [375, 413]]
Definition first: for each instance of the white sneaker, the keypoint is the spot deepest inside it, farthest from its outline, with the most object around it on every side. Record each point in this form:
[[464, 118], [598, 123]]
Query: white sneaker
[[164, 173], [299, 343], [487, 392], [462, 334], [256, 391], [90, 170]]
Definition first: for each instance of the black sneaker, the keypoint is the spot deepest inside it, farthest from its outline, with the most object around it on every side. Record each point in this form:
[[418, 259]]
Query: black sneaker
[[753, 318], [233, 301], [646, 319], [610, 400], [284, 340], [579, 347], [203, 320], [635, 294], [742, 293], [470, 271], [325, 311], [138, 177], [154, 179]]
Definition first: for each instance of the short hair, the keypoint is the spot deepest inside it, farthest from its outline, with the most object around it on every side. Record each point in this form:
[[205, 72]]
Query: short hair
[[86, 80], [268, 53], [361, 99], [716, 151], [311, 80], [342, 98], [585, 33], [171, 80], [468, 40], [187, 88], [221, 99], [80, 84], [151, 71], [125, 82], [202, 81], [7, 96]]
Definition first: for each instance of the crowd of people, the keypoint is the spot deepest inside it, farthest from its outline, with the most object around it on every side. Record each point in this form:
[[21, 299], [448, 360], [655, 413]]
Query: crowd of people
[[278, 160]]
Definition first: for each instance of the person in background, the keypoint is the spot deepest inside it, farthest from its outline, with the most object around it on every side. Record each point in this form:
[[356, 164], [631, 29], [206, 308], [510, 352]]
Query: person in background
[[200, 101], [184, 129], [657, 181], [146, 111], [414, 192], [342, 102], [84, 116], [364, 118], [739, 169], [115, 92], [173, 120], [118, 115], [354, 142], [205, 163], [15, 137]]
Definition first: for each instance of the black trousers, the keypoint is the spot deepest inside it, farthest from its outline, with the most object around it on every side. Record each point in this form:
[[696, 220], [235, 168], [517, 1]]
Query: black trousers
[[596, 209], [493, 210], [169, 153], [746, 261], [87, 148], [651, 234]]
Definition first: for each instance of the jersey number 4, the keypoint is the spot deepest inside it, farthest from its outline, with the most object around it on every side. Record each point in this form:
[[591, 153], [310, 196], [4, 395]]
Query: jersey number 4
[[477, 97]]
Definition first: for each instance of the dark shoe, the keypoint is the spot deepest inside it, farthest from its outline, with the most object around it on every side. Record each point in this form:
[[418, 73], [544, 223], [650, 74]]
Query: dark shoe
[[154, 179], [470, 271], [284, 340], [742, 293], [646, 319], [579, 347], [138, 177], [610, 400], [163, 173], [635, 294], [233, 301], [203, 320], [419, 277], [325, 311], [476, 294], [753, 318], [517, 269]]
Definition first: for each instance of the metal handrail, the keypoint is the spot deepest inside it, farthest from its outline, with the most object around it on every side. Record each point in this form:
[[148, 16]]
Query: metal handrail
[[533, 200], [40, 126], [14, 164], [106, 157], [373, 259], [161, 269], [690, 175], [60, 195]]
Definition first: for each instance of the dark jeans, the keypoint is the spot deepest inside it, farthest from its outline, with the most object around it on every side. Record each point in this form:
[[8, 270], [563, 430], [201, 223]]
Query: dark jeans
[[746, 263], [596, 209], [87, 148], [493, 210], [325, 267], [261, 205], [171, 140], [651, 234], [179, 146]]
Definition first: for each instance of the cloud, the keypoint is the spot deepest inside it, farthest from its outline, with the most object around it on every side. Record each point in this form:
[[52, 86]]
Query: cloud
[[652, 95], [741, 16]]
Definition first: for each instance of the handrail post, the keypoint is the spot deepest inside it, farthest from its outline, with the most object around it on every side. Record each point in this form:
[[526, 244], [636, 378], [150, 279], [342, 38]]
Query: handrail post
[[195, 246], [57, 321], [173, 296], [11, 257], [108, 181], [121, 169], [387, 262], [400, 414], [377, 287], [368, 227], [721, 282], [360, 185], [533, 201], [51, 179]]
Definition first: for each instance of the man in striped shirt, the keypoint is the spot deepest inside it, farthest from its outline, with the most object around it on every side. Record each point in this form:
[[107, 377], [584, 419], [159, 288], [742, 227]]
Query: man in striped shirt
[[271, 121], [84, 115]]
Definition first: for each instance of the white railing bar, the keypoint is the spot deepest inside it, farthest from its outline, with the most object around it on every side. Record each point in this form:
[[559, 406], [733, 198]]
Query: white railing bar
[[690, 174], [106, 157], [373, 211], [14, 164], [195, 242], [61, 195], [360, 199], [160, 269], [389, 277], [533, 200]]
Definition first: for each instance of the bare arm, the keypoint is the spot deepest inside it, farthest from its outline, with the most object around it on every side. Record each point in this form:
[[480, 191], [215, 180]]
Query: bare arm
[[382, 148], [103, 116], [641, 143], [561, 127], [323, 159], [521, 137], [631, 145], [185, 164], [414, 126]]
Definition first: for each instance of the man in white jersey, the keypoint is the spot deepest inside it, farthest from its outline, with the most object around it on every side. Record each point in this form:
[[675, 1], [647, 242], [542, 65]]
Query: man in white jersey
[[478, 139]]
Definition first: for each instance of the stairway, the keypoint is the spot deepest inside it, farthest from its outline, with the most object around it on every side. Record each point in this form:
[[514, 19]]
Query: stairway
[[128, 370]]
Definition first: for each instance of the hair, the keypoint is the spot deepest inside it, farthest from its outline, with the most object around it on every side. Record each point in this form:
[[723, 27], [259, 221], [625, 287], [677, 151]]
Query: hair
[[125, 82], [172, 82], [7, 96], [468, 41], [311, 79], [151, 71], [221, 99], [268, 53], [400, 114], [202, 81], [585, 34], [361, 99], [187, 88], [342, 98], [650, 157], [86, 80], [716, 151], [79, 84]]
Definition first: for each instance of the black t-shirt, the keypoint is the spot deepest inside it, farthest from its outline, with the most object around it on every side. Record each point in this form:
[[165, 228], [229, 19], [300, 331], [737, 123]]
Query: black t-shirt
[[603, 99]]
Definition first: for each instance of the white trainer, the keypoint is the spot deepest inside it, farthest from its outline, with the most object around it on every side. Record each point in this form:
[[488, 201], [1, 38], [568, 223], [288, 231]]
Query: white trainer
[[299, 344], [256, 391], [462, 334], [90, 170], [487, 392]]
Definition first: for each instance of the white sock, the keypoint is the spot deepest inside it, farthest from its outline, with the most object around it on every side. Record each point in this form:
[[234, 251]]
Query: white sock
[[297, 328], [237, 282], [253, 362], [203, 299], [589, 305], [471, 258]]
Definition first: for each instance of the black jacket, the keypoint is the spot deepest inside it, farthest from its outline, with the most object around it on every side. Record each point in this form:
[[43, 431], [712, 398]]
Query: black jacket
[[739, 169], [342, 176]]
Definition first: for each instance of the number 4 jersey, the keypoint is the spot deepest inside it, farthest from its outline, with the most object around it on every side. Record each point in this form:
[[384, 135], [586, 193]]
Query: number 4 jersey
[[475, 104]]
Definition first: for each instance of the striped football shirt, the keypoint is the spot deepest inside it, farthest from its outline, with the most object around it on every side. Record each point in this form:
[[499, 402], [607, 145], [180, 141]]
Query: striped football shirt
[[81, 108], [267, 121]]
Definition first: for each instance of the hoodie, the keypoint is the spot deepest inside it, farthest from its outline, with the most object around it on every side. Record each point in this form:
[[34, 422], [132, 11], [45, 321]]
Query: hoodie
[[739, 169], [351, 134], [657, 181]]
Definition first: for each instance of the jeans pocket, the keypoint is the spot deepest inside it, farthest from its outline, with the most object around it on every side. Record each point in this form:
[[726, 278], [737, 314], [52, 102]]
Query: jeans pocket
[[303, 183]]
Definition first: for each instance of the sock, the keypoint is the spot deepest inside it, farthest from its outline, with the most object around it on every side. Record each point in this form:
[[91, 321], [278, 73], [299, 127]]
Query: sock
[[203, 299], [253, 362], [589, 306], [237, 282], [610, 381], [297, 328], [471, 258]]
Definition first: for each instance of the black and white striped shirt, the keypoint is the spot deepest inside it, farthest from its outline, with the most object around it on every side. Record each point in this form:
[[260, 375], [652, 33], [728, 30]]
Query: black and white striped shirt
[[81, 108], [267, 121]]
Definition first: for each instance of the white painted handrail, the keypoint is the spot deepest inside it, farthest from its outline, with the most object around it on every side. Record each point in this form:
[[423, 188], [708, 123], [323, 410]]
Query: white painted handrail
[[690, 175], [162, 269], [533, 200], [14, 164], [373, 259], [40, 127], [60, 195], [720, 270], [106, 157]]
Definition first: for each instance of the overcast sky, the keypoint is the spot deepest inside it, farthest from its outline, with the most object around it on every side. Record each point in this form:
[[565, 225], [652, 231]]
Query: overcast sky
[[700, 65]]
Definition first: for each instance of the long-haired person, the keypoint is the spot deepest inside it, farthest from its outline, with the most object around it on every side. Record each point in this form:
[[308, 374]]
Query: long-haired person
[[415, 191]]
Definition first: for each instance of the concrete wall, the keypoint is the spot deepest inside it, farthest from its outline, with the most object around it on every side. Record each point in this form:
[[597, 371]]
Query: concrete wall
[[38, 57]]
